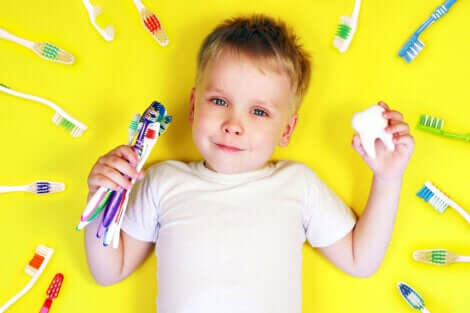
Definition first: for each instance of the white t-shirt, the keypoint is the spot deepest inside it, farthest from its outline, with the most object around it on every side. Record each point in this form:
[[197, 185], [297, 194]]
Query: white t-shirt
[[233, 242]]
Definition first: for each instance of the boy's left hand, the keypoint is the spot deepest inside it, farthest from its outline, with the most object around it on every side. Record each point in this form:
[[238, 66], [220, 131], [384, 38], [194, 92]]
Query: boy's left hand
[[389, 165]]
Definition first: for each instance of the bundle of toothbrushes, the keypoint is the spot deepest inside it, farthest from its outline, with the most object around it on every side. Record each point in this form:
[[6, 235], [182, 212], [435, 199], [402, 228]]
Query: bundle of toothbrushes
[[145, 131]]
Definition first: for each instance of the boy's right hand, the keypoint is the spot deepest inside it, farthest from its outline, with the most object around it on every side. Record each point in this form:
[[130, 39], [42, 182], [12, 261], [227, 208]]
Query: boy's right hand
[[110, 169]]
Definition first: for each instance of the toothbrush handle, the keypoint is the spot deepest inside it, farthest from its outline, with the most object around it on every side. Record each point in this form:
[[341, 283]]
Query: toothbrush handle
[[448, 4], [357, 8], [461, 211], [32, 98], [463, 258], [6, 35], [444, 133], [140, 6], [439, 12], [424, 310], [5, 189], [465, 137], [50, 104], [46, 306]]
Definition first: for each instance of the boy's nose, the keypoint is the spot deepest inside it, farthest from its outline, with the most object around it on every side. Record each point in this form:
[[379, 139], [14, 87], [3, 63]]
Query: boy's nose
[[232, 127]]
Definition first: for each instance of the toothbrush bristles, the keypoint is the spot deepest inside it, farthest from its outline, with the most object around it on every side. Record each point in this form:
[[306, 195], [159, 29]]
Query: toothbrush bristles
[[73, 129], [431, 121], [343, 31], [436, 256], [154, 27], [53, 53], [41, 254], [45, 187], [411, 49], [434, 196]]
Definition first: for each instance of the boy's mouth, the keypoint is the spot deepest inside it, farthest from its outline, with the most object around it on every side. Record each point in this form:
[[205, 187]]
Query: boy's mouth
[[228, 148]]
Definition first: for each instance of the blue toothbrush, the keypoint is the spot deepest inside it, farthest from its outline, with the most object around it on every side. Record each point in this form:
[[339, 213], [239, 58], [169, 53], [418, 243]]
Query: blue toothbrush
[[413, 46], [412, 297]]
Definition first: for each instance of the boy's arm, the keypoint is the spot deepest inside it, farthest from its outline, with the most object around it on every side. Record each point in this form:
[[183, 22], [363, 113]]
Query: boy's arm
[[361, 252], [108, 265]]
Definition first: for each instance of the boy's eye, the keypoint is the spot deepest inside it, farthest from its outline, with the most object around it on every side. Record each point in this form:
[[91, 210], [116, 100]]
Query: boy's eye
[[260, 112], [219, 101]]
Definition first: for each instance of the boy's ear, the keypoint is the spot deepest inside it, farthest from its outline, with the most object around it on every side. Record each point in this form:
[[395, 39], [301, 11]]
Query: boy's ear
[[191, 105], [289, 129]]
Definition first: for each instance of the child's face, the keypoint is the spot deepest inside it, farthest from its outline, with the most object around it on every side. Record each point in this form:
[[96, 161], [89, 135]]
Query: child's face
[[239, 114]]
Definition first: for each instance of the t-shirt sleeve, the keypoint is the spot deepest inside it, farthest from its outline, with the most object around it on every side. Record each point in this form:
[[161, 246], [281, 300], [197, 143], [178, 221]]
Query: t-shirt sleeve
[[326, 217], [141, 218]]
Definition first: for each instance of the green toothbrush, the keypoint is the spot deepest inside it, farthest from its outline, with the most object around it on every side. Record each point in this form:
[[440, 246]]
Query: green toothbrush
[[434, 125]]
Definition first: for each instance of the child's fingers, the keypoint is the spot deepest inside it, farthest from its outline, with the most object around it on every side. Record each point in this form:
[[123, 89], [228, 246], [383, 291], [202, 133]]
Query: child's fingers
[[393, 115], [98, 180], [119, 164], [125, 152], [384, 105], [406, 140], [356, 143], [399, 128], [112, 174]]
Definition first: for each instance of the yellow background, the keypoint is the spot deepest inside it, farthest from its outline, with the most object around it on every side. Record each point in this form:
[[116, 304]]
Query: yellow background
[[111, 81]]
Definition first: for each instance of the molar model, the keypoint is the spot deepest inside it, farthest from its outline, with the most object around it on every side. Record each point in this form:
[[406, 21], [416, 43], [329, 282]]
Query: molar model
[[370, 124]]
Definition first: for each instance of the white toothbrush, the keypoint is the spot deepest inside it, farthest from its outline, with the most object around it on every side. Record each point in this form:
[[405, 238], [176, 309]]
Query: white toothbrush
[[44, 49], [439, 201], [61, 118], [39, 187], [34, 269], [93, 11], [347, 28]]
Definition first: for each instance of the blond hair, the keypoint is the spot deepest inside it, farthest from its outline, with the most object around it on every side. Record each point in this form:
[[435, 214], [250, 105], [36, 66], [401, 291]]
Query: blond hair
[[262, 38]]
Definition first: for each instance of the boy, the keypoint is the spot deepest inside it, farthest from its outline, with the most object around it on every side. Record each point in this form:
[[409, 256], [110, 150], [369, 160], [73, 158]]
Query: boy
[[229, 230]]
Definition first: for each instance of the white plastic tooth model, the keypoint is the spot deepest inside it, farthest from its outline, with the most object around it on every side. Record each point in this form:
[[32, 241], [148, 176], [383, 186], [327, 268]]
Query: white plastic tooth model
[[370, 124]]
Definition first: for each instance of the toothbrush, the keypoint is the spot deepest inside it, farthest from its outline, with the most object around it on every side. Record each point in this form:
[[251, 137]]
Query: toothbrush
[[413, 46], [44, 49], [439, 257], [61, 118], [163, 127], [52, 292], [34, 269], [99, 200], [94, 206], [115, 226], [113, 203], [434, 125], [133, 128], [39, 187], [152, 23], [412, 297], [346, 29], [439, 200], [93, 12]]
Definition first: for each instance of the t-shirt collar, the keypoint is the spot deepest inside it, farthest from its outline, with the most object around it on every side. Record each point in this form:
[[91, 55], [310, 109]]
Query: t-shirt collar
[[244, 177]]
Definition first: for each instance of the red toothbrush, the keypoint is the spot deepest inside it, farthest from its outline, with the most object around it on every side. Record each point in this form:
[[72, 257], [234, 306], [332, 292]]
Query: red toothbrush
[[52, 292]]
